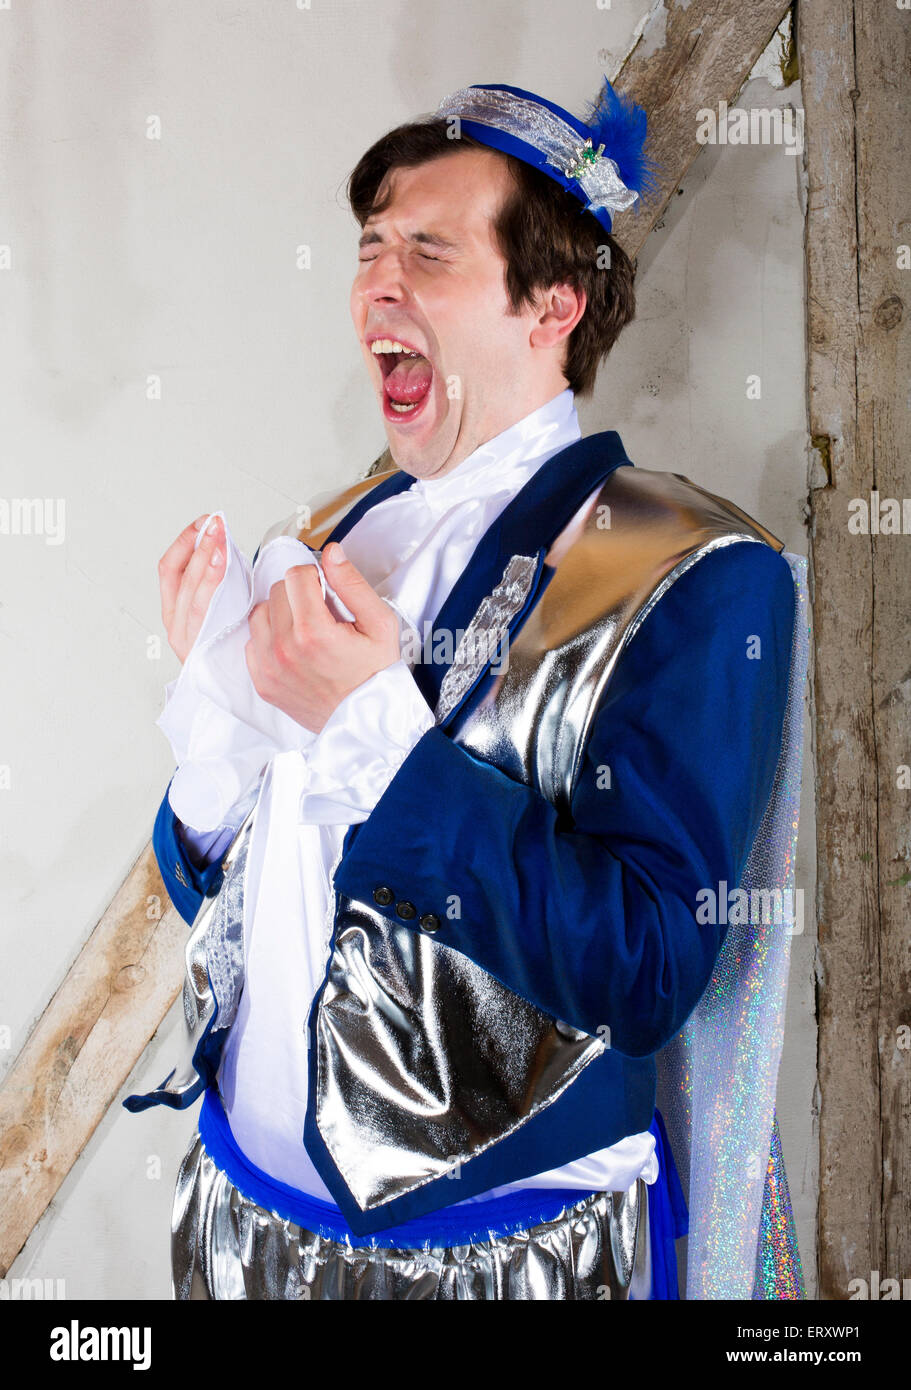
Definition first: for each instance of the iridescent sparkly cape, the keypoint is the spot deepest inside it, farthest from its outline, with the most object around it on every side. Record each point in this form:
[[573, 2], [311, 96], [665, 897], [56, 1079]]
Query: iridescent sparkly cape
[[717, 1078]]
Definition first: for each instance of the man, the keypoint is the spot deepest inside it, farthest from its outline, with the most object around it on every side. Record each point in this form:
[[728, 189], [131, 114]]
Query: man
[[449, 886]]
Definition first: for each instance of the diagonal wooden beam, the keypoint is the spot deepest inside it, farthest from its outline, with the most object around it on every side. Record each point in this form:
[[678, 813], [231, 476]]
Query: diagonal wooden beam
[[855, 67], [84, 1047], [691, 54]]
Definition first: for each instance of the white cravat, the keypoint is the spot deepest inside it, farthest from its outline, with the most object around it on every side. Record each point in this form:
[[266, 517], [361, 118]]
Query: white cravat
[[412, 548]]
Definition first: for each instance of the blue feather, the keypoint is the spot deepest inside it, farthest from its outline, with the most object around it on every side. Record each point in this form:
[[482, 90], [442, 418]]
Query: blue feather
[[621, 126]]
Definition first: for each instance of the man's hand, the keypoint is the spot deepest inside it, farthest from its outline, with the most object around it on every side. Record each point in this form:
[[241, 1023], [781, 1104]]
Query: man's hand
[[188, 578], [303, 660]]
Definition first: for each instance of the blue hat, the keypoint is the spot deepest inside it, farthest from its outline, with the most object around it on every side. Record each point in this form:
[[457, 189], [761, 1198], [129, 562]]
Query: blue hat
[[599, 160]]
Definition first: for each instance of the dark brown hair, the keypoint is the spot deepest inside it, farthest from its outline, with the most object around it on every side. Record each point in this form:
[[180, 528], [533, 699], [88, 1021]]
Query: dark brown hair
[[543, 232]]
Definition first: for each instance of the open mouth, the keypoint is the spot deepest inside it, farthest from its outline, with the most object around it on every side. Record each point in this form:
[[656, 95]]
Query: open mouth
[[407, 377]]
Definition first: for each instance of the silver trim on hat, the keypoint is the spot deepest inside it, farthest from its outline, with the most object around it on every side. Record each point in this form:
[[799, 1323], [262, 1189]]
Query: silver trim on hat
[[596, 173]]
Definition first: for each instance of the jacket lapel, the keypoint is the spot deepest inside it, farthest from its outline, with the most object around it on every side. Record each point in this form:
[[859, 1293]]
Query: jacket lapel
[[388, 487], [506, 572]]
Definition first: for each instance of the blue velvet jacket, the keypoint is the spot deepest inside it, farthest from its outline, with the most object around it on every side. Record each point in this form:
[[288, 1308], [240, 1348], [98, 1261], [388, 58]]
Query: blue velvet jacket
[[581, 906]]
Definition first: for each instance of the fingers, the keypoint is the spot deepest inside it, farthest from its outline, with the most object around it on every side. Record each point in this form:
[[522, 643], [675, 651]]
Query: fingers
[[301, 604], [280, 625], [203, 572], [281, 622], [172, 565]]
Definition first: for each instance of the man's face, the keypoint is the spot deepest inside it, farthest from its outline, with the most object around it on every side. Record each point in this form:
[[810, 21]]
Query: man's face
[[431, 278]]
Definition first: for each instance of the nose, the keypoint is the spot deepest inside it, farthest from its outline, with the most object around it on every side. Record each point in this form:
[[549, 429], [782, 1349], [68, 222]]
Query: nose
[[383, 279]]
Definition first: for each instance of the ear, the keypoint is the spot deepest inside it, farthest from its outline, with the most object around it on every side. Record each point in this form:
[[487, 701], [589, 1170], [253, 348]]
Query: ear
[[559, 309]]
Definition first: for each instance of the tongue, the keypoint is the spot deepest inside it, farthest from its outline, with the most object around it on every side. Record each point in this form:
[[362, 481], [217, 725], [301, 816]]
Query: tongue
[[409, 380]]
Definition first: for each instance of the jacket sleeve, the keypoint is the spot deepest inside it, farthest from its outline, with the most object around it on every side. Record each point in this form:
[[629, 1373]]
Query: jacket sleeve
[[593, 917], [186, 883]]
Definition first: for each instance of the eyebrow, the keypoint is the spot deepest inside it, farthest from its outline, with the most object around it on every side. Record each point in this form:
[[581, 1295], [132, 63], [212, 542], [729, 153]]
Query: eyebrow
[[368, 238]]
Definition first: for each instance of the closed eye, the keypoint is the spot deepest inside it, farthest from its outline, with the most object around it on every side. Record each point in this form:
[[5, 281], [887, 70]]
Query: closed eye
[[423, 255]]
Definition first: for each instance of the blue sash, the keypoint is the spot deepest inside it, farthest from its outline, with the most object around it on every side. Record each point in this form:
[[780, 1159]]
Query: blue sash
[[454, 1225]]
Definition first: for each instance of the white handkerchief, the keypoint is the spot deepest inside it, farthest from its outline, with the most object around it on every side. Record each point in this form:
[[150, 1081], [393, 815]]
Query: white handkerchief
[[221, 731]]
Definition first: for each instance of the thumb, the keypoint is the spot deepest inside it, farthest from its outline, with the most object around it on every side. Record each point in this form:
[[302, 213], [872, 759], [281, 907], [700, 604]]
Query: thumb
[[353, 589], [342, 570]]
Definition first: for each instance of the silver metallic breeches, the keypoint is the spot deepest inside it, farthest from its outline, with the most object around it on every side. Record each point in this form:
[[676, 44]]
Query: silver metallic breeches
[[224, 1246]]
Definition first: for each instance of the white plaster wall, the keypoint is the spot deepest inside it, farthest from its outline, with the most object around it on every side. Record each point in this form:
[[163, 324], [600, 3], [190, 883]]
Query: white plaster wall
[[173, 262]]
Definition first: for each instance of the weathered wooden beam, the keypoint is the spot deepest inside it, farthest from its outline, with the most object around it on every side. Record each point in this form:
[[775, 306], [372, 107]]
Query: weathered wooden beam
[[129, 972], [691, 54], [855, 69], [84, 1047]]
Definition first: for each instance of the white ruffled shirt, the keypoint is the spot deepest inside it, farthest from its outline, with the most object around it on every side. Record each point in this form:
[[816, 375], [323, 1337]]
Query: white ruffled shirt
[[234, 751]]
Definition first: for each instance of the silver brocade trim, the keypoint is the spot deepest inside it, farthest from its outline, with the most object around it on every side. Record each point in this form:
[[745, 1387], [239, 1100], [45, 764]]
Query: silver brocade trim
[[214, 946], [226, 1247], [485, 632], [225, 932], [538, 126], [424, 1060]]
